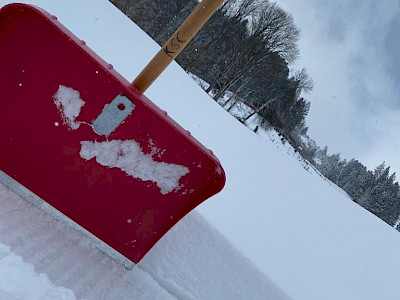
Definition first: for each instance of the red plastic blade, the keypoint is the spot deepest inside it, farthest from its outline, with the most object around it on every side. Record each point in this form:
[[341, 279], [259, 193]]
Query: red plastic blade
[[127, 188]]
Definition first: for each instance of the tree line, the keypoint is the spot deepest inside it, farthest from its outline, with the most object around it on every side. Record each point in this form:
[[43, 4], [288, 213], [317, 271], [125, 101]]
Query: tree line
[[376, 190], [243, 51]]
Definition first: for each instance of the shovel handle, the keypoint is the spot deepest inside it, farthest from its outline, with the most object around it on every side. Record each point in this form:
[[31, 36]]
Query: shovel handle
[[176, 43]]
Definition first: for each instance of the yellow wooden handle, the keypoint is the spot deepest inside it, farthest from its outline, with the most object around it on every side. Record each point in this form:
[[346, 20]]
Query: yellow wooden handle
[[176, 43]]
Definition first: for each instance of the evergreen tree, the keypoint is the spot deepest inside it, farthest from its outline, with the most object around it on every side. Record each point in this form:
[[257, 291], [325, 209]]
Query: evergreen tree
[[382, 197]]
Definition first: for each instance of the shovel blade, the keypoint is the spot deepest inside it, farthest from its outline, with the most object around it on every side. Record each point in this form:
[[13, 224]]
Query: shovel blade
[[77, 135]]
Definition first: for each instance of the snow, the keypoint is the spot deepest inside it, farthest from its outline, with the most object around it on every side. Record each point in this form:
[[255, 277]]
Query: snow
[[14, 272], [193, 261], [309, 238], [129, 157], [69, 105]]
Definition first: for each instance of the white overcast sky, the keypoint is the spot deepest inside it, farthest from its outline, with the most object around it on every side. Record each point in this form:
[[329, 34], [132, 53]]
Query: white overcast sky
[[351, 49]]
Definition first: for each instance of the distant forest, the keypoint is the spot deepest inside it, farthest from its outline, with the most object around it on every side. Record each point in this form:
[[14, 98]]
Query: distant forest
[[245, 53]]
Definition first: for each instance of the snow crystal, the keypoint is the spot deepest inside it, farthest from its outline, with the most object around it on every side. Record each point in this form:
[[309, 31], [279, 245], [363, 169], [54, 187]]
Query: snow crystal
[[128, 156], [69, 104]]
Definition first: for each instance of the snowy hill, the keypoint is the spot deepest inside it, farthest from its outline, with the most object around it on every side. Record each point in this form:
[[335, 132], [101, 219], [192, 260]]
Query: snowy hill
[[304, 234]]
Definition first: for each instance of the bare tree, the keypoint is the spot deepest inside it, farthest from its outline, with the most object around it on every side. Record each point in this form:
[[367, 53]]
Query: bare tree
[[277, 29], [272, 30], [304, 81]]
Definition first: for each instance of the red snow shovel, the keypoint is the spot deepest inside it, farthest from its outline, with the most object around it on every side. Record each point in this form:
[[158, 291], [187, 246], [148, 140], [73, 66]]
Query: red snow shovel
[[79, 136]]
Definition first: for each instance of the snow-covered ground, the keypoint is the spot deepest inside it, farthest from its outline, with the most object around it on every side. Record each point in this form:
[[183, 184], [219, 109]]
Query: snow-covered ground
[[42, 258], [300, 231]]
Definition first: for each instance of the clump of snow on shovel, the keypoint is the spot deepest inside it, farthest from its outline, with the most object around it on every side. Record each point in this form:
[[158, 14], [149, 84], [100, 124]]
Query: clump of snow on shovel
[[69, 104], [128, 156]]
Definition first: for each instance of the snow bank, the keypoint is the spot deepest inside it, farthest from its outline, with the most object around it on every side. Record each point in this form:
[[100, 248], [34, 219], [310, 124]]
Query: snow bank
[[193, 261], [18, 280]]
